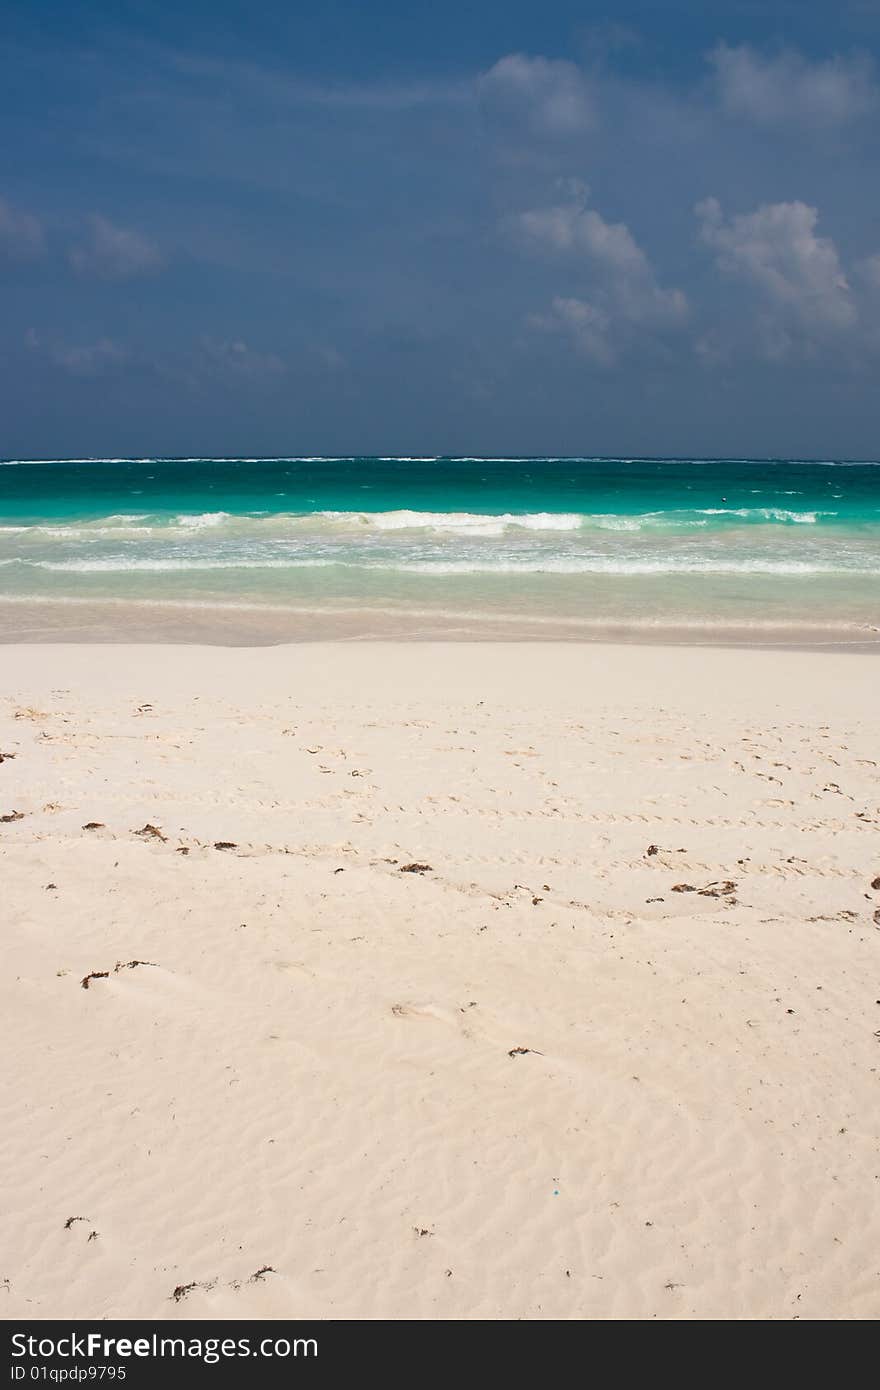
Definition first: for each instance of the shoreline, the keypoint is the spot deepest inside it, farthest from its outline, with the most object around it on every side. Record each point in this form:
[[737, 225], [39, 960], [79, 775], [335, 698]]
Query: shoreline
[[28, 621]]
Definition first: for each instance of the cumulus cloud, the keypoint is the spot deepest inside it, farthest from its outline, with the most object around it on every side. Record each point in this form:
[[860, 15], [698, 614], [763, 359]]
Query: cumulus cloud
[[796, 274], [21, 235], [572, 226], [549, 96], [623, 288], [587, 324], [789, 88], [115, 253]]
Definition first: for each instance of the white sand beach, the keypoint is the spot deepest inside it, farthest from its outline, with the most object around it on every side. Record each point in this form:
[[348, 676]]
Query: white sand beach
[[439, 981]]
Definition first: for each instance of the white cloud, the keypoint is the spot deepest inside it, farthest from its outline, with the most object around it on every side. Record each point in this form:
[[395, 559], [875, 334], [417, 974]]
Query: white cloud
[[548, 95], [21, 235], [115, 253], [573, 227], [588, 325], [622, 287], [789, 88], [796, 274]]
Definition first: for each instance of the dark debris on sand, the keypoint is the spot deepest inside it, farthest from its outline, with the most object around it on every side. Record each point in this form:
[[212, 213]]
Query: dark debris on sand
[[120, 965], [182, 1290], [722, 888], [94, 975], [151, 832]]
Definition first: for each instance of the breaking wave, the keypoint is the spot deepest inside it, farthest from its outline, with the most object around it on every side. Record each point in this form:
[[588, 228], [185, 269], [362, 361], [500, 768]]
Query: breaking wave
[[463, 524]]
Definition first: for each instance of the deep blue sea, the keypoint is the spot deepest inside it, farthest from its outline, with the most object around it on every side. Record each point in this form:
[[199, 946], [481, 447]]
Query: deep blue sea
[[576, 543]]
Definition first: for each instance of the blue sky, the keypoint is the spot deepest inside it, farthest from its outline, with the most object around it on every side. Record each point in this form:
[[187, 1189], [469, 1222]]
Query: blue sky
[[407, 227]]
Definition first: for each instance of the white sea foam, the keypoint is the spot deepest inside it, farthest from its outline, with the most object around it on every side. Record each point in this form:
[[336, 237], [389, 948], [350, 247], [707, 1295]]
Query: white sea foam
[[459, 523], [611, 566], [200, 520], [555, 565], [766, 514], [119, 565], [436, 458], [477, 524]]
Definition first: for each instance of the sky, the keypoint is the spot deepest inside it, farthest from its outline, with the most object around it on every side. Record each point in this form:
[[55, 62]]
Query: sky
[[499, 227]]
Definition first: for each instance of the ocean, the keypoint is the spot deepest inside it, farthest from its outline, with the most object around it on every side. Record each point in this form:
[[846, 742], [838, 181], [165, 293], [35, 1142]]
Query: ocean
[[774, 549]]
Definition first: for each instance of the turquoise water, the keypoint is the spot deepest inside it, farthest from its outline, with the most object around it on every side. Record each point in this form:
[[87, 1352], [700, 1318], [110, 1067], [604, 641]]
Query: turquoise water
[[586, 542]]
